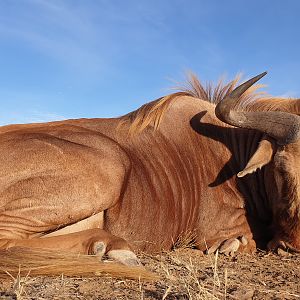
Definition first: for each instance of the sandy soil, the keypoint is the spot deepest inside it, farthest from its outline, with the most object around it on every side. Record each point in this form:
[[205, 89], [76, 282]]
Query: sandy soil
[[185, 274]]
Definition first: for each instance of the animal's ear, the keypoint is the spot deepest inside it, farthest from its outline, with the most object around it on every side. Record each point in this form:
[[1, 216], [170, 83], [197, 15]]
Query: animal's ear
[[260, 158]]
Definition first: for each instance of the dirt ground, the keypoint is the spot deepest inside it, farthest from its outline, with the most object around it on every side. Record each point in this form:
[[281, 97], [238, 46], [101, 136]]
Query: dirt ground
[[185, 274]]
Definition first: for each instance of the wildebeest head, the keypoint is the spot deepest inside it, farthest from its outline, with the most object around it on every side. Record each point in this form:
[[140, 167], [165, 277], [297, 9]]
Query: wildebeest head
[[280, 150]]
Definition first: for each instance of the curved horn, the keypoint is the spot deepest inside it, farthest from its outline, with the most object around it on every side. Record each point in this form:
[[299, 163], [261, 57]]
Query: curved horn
[[224, 107], [283, 127]]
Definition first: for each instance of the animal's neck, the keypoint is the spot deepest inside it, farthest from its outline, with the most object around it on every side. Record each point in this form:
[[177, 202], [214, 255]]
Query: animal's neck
[[253, 187]]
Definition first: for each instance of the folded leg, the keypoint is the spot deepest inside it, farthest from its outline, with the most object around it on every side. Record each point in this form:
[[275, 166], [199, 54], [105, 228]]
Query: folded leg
[[93, 241]]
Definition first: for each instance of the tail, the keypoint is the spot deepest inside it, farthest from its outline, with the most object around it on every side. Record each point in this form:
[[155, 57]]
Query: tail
[[33, 262]]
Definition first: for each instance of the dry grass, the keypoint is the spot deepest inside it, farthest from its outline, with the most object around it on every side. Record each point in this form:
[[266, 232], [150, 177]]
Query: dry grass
[[185, 274], [195, 289], [23, 261], [186, 240]]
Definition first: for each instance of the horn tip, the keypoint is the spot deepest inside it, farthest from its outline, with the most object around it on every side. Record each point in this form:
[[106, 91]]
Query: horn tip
[[263, 74], [257, 77]]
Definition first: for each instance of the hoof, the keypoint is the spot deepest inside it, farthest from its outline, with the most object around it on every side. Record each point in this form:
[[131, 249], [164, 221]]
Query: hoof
[[228, 247], [125, 257], [276, 244], [99, 249]]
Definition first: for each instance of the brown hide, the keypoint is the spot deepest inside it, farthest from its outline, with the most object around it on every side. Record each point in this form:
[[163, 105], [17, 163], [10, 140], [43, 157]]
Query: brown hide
[[153, 187], [286, 197], [282, 128], [150, 188]]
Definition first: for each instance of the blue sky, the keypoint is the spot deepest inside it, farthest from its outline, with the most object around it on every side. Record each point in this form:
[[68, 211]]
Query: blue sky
[[103, 58]]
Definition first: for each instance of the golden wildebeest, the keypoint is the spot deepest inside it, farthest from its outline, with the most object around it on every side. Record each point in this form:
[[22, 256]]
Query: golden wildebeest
[[142, 181]]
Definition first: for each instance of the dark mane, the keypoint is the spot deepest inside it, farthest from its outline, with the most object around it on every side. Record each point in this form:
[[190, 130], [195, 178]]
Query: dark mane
[[150, 114]]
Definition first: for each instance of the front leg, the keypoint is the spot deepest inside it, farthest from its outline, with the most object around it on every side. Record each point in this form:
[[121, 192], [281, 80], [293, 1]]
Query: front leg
[[280, 243], [229, 246], [228, 232], [93, 241]]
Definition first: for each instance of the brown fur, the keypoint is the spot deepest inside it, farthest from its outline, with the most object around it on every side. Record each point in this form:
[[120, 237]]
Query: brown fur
[[215, 93], [34, 262], [151, 114], [275, 104], [287, 204], [147, 188]]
